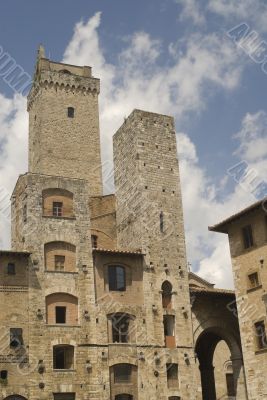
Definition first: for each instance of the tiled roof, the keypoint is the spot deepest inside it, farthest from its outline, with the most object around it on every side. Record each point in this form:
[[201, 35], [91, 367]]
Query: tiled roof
[[12, 252], [221, 226], [118, 251], [192, 275], [213, 291]]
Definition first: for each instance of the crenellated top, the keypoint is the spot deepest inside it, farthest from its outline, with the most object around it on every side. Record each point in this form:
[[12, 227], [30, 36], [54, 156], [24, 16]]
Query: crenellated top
[[60, 76]]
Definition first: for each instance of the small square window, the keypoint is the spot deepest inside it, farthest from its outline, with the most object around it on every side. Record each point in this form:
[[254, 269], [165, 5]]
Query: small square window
[[70, 112], [11, 269], [57, 209], [253, 280], [3, 374], [59, 263]]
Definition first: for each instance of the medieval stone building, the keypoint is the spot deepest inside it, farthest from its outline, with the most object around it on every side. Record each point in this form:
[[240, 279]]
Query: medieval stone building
[[96, 298]]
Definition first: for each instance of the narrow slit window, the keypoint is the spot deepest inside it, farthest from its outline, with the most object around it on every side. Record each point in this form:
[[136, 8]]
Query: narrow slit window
[[161, 222], [247, 236], [70, 112]]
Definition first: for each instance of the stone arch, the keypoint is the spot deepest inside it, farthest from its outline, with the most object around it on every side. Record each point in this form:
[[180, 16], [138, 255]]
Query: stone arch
[[205, 347], [60, 256], [61, 308], [57, 202], [166, 289]]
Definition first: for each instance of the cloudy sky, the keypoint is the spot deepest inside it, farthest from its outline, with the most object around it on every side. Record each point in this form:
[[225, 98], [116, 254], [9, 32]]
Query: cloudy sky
[[201, 61]]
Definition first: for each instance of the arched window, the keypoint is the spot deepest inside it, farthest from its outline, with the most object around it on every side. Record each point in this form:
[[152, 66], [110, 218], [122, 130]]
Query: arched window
[[60, 257], [61, 308], [63, 357], [57, 203], [166, 294], [116, 278]]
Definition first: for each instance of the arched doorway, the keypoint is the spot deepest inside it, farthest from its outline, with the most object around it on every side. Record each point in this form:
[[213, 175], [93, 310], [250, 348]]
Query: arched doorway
[[124, 397], [205, 349], [15, 397]]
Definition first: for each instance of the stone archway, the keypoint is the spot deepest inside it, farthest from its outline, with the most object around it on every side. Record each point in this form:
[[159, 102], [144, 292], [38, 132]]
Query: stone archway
[[215, 321], [205, 348]]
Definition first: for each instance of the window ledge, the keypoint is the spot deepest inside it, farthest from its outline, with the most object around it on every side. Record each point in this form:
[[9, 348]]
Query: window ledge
[[254, 288], [53, 217], [62, 326], [64, 370], [62, 272], [260, 351]]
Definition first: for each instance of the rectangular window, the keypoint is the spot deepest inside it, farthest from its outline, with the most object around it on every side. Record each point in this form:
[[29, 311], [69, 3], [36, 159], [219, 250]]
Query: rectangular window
[[63, 357], [70, 112], [260, 335], [247, 236], [94, 241], [172, 374], [11, 269], [57, 209], [64, 396], [116, 278], [253, 280], [16, 339], [59, 263], [60, 315], [122, 373]]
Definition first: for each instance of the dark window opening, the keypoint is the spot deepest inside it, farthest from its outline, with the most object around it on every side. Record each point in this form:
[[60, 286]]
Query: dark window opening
[[161, 222], [16, 338], [63, 357], [70, 112], [166, 294], [123, 397], [261, 334], [94, 241], [172, 374], [57, 209], [60, 315], [120, 328], [116, 278], [11, 269], [247, 236], [230, 384], [64, 396], [3, 375], [122, 373], [59, 263]]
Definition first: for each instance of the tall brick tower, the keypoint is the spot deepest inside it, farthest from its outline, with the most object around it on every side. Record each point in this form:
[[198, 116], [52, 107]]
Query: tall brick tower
[[150, 217], [63, 111]]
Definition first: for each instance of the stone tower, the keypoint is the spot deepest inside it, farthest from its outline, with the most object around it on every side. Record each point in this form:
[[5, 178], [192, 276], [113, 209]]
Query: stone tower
[[149, 215], [63, 111]]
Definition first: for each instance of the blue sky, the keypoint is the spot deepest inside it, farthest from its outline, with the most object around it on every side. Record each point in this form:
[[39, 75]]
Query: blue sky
[[169, 56]]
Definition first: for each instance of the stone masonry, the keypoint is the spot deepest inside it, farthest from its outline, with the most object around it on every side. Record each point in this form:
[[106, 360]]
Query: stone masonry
[[97, 301]]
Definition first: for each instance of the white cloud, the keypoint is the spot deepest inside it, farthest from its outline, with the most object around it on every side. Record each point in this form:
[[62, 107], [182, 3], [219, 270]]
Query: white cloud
[[253, 12], [191, 9], [199, 65]]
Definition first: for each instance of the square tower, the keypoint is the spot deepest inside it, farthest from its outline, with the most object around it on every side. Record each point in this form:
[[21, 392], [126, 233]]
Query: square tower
[[63, 114]]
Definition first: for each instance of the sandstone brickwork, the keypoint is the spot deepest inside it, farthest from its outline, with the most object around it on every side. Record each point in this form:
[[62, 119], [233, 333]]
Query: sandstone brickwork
[[96, 299]]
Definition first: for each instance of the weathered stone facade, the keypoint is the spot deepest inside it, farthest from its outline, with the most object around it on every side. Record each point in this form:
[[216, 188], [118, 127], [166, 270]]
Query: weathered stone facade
[[247, 233], [98, 301]]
